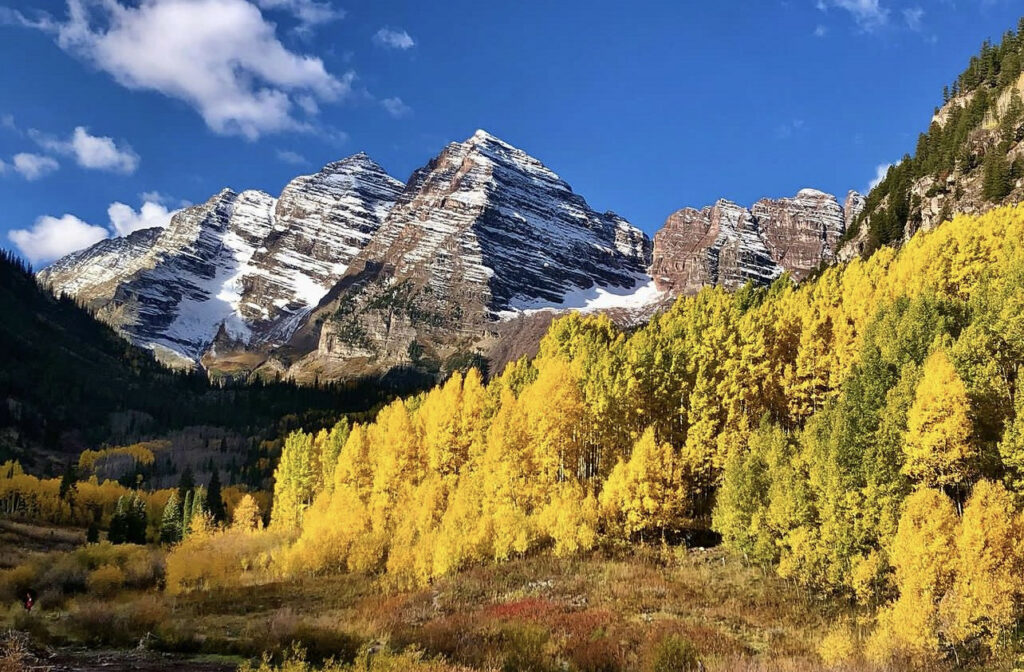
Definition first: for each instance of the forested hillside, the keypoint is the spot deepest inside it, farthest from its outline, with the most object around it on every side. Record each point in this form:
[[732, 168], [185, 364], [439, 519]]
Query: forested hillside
[[861, 434], [69, 383], [969, 159]]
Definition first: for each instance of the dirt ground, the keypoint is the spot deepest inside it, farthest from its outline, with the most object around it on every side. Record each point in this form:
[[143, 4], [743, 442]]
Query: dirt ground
[[75, 660]]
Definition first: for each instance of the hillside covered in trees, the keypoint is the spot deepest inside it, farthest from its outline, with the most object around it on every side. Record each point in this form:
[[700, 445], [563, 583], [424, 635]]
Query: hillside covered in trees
[[69, 383], [969, 159]]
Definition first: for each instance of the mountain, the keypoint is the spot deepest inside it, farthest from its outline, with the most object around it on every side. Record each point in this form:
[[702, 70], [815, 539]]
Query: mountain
[[969, 160], [729, 245], [483, 232], [350, 273], [242, 268]]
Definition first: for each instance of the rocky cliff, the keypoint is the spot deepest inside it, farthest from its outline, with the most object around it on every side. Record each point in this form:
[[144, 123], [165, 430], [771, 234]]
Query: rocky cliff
[[729, 245]]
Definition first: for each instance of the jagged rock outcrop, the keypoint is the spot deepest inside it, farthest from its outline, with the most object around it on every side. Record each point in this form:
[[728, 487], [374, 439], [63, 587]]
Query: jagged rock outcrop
[[321, 222], [482, 232], [241, 268], [729, 245], [718, 245], [852, 207], [803, 232]]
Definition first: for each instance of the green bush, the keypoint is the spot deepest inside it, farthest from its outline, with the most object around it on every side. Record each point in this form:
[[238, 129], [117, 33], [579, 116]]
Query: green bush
[[675, 654]]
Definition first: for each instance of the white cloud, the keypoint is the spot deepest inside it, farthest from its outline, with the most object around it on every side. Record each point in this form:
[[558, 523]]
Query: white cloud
[[870, 15], [394, 38], [396, 108], [219, 56], [913, 16], [820, 30], [880, 172], [124, 219], [34, 166], [51, 238], [91, 151], [291, 157], [308, 13], [163, 199]]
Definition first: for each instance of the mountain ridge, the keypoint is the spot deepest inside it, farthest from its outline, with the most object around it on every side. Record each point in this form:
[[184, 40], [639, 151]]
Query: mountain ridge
[[349, 271]]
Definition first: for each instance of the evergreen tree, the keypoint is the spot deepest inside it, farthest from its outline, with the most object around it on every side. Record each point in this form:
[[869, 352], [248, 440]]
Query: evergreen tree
[[186, 514], [136, 526], [996, 179], [200, 505], [185, 483], [119, 524], [170, 523], [214, 500], [68, 481]]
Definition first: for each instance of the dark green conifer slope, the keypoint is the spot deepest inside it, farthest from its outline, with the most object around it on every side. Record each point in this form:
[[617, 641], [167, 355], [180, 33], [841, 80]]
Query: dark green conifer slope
[[69, 382]]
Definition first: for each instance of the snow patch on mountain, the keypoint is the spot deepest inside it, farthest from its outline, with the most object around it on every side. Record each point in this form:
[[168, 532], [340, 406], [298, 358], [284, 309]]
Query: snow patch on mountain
[[643, 293]]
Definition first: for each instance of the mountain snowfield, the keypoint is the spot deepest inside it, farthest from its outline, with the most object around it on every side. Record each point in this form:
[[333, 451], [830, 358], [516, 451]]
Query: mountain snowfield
[[350, 264]]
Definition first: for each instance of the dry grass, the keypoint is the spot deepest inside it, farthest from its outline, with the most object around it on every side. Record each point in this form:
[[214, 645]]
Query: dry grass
[[19, 542], [606, 612]]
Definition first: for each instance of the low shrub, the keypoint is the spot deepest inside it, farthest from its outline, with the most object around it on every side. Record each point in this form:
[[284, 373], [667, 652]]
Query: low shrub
[[838, 646], [14, 652], [98, 623], [105, 581], [369, 659], [96, 567], [14, 582], [525, 648], [222, 559], [674, 654]]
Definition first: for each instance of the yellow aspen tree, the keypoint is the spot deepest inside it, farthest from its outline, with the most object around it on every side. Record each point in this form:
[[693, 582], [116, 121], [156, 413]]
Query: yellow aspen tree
[[647, 492], [554, 410], [247, 515], [569, 519], [354, 467], [938, 448], [923, 556], [330, 451], [438, 418], [473, 417], [985, 602], [295, 481]]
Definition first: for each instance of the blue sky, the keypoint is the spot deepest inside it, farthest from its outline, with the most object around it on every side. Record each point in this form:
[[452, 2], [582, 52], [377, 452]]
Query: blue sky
[[115, 112]]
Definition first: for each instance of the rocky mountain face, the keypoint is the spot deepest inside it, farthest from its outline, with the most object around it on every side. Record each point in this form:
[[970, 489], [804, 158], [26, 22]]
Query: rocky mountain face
[[350, 272], [729, 245], [482, 232], [87, 273], [242, 268]]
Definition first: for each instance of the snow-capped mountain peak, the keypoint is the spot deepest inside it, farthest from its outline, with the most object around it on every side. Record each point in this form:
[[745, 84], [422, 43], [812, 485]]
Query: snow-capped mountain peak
[[243, 266]]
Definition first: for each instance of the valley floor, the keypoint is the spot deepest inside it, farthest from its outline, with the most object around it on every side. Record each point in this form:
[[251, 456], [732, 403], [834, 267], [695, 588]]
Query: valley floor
[[610, 610]]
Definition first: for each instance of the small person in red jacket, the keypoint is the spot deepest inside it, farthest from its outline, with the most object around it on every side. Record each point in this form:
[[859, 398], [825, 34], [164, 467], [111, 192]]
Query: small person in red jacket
[[29, 600]]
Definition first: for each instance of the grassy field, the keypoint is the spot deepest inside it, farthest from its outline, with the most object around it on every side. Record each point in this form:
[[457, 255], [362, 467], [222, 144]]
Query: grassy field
[[614, 609]]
